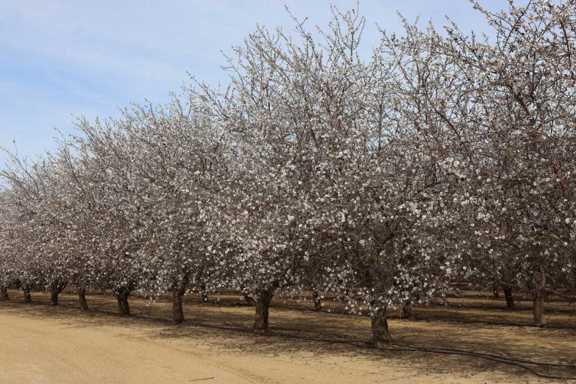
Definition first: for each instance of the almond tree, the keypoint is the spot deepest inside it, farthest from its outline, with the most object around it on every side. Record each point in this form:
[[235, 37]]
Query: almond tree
[[331, 165], [109, 156], [7, 245], [182, 162], [518, 94]]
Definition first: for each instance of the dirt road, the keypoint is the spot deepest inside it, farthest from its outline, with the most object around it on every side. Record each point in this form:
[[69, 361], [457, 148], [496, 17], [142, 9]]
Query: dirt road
[[45, 346], [46, 351]]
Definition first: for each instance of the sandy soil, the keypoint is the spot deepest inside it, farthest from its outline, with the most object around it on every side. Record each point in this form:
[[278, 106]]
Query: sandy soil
[[44, 345]]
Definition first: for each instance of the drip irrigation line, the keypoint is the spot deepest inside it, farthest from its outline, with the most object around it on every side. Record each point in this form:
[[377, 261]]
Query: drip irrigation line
[[524, 364]]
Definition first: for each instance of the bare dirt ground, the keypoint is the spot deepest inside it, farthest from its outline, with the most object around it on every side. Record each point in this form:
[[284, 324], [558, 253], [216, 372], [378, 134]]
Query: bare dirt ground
[[40, 344]]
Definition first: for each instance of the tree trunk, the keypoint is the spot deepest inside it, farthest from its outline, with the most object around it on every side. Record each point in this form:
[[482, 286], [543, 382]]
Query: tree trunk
[[380, 332], [178, 306], [204, 293], [54, 296], [509, 297], [407, 311], [122, 298], [317, 300], [262, 310], [539, 296], [82, 299], [538, 310], [4, 294], [178, 291], [248, 299], [27, 295], [55, 289]]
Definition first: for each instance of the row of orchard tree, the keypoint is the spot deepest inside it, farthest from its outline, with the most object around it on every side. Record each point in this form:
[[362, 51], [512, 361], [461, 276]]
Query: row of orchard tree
[[378, 179]]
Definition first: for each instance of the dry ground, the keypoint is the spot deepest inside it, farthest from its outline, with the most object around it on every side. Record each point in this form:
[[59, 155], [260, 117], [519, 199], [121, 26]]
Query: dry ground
[[43, 344]]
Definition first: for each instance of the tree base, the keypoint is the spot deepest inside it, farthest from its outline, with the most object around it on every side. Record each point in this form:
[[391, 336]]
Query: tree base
[[4, 294], [123, 304], [380, 344], [407, 311], [379, 324], [510, 305], [27, 297], [54, 298], [263, 300], [177, 308], [82, 299]]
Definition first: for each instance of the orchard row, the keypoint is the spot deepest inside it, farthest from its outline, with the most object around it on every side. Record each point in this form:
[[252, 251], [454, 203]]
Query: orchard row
[[378, 178]]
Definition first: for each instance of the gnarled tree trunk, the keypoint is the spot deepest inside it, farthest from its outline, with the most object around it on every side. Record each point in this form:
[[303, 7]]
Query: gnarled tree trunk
[[55, 289], [248, 299], [82, 299], [509, 297], [54, 296], [407, 311], [380, 332], [178, 291], [539, 294], [4, 294], [27, 294], [204, 293], [263, 300], [122, 298], [317, 300], [177, 306]]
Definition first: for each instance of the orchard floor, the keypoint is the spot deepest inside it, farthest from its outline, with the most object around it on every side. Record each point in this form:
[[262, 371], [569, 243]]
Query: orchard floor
[[41, 344]]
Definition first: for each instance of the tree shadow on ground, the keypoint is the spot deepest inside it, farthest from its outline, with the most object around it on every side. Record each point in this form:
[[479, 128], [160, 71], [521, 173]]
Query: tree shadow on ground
[[460, 310], [313, 334]]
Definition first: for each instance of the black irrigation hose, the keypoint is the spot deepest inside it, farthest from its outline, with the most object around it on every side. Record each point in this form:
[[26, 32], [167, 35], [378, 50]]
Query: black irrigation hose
[[524, 364], [529, 362]]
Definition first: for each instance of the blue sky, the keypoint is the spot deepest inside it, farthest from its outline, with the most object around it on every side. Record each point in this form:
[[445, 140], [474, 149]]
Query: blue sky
[[60, 59]]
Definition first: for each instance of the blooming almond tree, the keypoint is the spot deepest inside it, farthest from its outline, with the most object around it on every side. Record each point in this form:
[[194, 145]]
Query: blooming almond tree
[[375, 178], [517, 94]]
